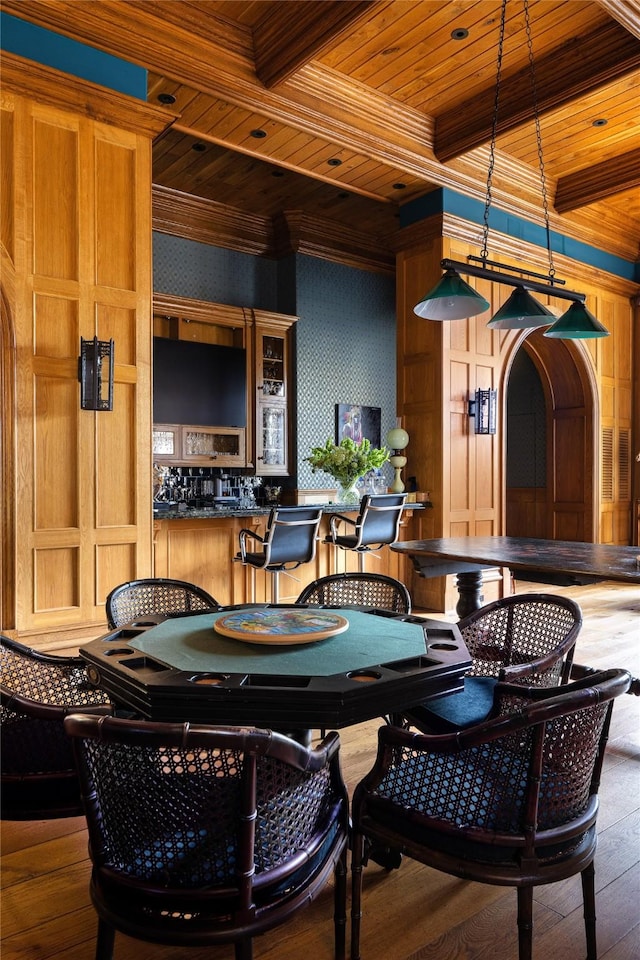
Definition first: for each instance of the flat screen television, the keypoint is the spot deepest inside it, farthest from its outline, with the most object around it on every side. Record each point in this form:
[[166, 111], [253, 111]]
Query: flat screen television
[[199, 383]]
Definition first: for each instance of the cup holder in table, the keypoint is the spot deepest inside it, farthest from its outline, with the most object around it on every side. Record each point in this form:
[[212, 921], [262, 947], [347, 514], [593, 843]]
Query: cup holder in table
[[119, 652], [443, 646], [209, 679], [364, 676]]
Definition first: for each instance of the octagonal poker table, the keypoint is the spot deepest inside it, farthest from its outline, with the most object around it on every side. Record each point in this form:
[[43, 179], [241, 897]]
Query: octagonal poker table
[[183, 668]]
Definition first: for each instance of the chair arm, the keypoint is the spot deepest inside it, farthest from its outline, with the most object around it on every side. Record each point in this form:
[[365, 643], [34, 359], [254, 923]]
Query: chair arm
[[335, 519], [515, 672], [244, 533]]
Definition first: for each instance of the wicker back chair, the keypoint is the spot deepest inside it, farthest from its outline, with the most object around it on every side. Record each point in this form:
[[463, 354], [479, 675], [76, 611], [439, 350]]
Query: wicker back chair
[[528, 639], [358, 589], [512, 801], [37, 691], [153, 596], [377, 524], [201, 835]]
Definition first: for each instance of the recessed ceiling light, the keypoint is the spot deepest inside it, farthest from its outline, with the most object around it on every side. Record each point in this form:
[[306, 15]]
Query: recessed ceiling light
[[334, 162], [258, 134], [399, 186], [600, 123], [166, 98], [199, 147], [460, 33]]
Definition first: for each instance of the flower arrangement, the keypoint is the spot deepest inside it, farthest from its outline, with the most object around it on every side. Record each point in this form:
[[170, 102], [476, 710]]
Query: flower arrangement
[[347, 460]]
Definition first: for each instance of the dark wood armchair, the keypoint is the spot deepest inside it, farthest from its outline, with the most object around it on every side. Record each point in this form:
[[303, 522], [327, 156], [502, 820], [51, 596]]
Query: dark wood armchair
[[512, 801], [358, 589], [201, 835], [37, 691], [155, 595], [528, 639]]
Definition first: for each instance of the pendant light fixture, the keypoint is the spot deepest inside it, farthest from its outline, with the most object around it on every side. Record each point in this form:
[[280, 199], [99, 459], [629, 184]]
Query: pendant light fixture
[[521, 311], [453, 299], [577, 323]]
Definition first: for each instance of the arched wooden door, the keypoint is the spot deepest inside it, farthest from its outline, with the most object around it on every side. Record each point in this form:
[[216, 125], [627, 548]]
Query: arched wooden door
[[565, 507]]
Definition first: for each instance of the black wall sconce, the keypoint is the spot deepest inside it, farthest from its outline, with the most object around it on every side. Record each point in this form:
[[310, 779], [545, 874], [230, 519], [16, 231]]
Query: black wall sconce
[[95, 373], [483, 409]]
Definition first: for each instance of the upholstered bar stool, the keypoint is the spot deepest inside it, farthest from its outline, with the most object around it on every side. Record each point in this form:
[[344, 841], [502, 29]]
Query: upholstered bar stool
[[289, 540], [377, 524]]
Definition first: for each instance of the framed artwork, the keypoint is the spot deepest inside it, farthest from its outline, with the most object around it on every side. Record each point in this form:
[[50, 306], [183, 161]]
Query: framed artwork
[[358, 423]]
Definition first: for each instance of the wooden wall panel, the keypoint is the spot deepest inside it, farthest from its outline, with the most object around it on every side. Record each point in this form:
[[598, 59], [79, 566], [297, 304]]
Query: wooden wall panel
[[56, 198], [56, 325], [55, 580], [115, 445], [55, 454], [7, 207], [115, 216], [82, 223], [115, 563]]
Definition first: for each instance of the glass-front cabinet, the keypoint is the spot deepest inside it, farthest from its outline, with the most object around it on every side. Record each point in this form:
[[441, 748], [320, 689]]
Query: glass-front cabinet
[[272, 439], [272, 355], [201, 446]]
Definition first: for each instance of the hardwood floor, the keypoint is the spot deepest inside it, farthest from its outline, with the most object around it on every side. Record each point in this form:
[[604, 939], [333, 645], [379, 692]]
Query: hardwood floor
[[413, 913]]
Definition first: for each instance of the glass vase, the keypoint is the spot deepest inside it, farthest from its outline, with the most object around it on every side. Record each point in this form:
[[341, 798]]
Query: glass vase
[[348, 492]]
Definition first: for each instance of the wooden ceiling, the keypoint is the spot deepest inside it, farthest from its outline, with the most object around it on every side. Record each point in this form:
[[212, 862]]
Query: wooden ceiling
[[343, 111]]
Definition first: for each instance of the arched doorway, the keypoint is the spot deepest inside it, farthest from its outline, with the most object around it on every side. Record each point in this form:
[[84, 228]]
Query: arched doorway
[[550, 390]]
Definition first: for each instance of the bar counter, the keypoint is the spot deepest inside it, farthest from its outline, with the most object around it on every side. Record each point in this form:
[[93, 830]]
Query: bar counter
[[201, 546]]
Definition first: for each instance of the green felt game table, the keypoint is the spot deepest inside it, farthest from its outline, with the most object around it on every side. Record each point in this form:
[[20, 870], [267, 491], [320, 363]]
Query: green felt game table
[[182, 668]]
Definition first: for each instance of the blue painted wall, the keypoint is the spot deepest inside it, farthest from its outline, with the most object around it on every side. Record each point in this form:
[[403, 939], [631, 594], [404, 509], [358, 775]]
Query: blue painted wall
[[78, 59]]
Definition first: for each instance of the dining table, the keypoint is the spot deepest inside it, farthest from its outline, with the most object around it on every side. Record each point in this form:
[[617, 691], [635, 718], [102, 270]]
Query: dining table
[[283, 666], [469, 557]]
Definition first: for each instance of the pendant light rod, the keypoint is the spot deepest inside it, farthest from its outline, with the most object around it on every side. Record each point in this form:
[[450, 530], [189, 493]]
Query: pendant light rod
[[530, 273], [512, 281]]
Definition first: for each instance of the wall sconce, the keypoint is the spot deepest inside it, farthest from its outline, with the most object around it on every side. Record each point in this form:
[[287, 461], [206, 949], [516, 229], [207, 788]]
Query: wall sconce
[[483, 409], [95, 373]]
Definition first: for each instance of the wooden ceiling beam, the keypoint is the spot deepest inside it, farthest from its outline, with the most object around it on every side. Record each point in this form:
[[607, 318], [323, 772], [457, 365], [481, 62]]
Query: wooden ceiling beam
[[579, 67], [626, 12], [292, 34], [597, 182]]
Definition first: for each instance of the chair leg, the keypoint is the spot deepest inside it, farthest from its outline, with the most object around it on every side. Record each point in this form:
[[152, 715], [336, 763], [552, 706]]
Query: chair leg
[[105, 941], [525, 922], [244, 949], [589, 909], [362, 561], [357, 846], [275, 586], [340, 906]]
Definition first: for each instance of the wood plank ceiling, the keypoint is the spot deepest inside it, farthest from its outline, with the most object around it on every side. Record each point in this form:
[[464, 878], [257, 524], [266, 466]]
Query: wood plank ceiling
[[341, 111]]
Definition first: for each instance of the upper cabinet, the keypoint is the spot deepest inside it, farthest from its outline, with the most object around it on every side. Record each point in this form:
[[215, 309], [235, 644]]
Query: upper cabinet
[[250, 412], [272, 340]]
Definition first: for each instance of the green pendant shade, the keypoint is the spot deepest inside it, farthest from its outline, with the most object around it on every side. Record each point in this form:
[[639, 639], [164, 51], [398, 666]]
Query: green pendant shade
[[520, 311], [577, 323], [451, 299]]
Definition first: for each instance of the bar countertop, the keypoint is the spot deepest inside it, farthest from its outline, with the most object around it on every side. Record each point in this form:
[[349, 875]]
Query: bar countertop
[[174, 512]]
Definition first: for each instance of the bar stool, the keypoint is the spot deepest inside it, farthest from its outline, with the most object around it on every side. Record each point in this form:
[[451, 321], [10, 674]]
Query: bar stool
[[289, 540], [377, 524]]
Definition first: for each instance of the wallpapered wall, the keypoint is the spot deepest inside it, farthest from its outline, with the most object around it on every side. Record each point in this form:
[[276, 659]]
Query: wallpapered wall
[[345, 339]]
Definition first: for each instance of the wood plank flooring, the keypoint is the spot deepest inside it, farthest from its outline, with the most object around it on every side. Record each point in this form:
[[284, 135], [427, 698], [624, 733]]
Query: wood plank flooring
[[413, 913]]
